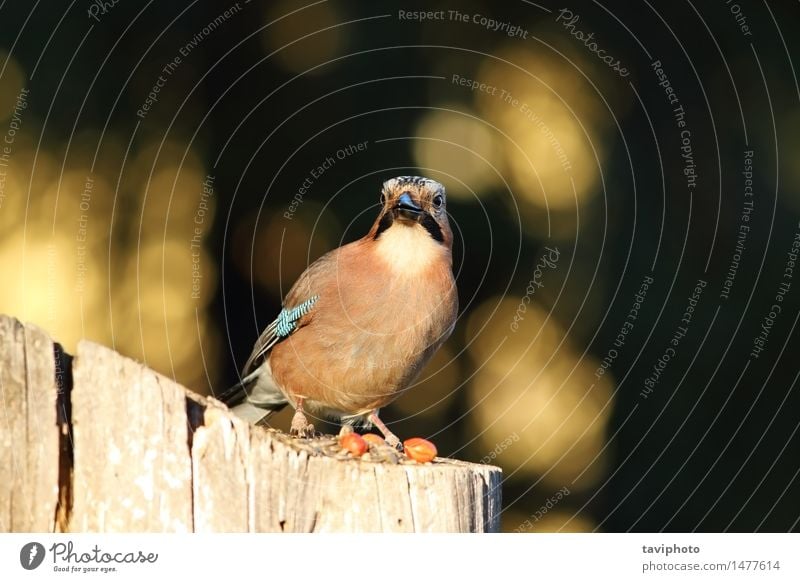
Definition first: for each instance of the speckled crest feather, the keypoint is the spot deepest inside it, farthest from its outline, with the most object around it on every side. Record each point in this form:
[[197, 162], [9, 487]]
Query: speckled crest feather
[[416, 181]]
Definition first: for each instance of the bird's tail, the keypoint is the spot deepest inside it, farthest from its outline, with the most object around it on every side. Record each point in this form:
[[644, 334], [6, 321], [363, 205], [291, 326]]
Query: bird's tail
[[237, 393], [255, 397], [252, 413]]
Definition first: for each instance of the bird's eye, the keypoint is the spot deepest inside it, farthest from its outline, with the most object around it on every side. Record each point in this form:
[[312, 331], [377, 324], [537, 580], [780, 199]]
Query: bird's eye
[[383, 198], [438, 200]]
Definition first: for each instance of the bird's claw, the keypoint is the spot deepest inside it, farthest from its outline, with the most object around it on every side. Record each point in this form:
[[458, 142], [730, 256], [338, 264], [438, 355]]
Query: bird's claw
[[393, 442], [301, 428], [388, 435], [303, 432]]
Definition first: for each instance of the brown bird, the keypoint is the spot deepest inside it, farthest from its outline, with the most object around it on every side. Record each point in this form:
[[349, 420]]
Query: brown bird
[[361, 322]]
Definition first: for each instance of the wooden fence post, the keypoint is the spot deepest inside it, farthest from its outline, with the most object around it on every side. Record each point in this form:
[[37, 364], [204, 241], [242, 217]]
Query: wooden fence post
[[29, 433], [100, 443]]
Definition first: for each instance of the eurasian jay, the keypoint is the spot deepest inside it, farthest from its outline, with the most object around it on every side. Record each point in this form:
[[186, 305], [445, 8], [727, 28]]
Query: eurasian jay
[[362, 321]]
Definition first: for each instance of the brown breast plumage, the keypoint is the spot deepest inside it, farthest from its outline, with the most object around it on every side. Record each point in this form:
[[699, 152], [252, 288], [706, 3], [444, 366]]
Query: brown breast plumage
[[378, 320]]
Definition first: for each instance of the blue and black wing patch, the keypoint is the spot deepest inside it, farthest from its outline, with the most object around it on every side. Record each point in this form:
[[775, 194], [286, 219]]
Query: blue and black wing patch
[[281, 328], [287, 319]]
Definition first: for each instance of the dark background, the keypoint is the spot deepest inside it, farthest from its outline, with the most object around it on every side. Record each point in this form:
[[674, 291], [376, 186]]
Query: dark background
[[275, 88]]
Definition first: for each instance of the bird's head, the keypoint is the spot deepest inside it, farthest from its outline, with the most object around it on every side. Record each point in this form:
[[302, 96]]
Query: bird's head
[[413, 202]]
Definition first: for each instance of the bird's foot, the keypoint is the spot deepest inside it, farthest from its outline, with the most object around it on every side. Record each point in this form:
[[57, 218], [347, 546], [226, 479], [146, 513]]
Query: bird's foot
[[300, 426], [392, 440], [388, 435]]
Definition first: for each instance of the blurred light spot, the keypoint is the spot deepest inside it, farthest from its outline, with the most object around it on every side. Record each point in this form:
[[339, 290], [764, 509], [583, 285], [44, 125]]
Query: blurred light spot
[[564, 522], [36, 181], [553, 124], [84, 201], [548, 399], [12, 202], [39, 282], [154, 158], [157, 313], [554, 520], [308, 52], [434, 387], [173, 201], [147, 297], [460, 146], [151, 342], [11, 83], [166, 279], [493, 344]]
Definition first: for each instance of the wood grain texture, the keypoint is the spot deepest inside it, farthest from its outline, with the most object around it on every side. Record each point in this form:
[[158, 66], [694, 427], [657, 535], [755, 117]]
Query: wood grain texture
[[28, 429], [147, 455], [293, 491], [220, 457], [132, 466]]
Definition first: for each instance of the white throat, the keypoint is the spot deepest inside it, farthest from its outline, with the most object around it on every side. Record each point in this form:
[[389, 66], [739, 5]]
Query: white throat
[[408, 249]]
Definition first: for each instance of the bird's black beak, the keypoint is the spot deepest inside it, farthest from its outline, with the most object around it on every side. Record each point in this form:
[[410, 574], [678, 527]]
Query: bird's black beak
[[406, 208]]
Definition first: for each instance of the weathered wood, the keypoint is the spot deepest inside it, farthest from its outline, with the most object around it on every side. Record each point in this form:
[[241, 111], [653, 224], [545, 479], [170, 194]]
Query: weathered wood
[[148, 455], [132, 466], [290, 490], [28, 429], [220, 451]]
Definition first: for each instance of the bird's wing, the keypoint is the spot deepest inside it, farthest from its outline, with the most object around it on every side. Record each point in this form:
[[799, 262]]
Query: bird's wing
[[297, 308], [288, 320], [319, 274], [297, 312]]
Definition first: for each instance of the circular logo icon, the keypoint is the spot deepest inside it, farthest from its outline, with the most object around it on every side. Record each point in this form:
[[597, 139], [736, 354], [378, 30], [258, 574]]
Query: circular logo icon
[[31, 555]]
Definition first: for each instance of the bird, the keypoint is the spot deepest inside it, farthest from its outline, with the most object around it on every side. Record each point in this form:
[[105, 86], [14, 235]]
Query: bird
[[360, 323]]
